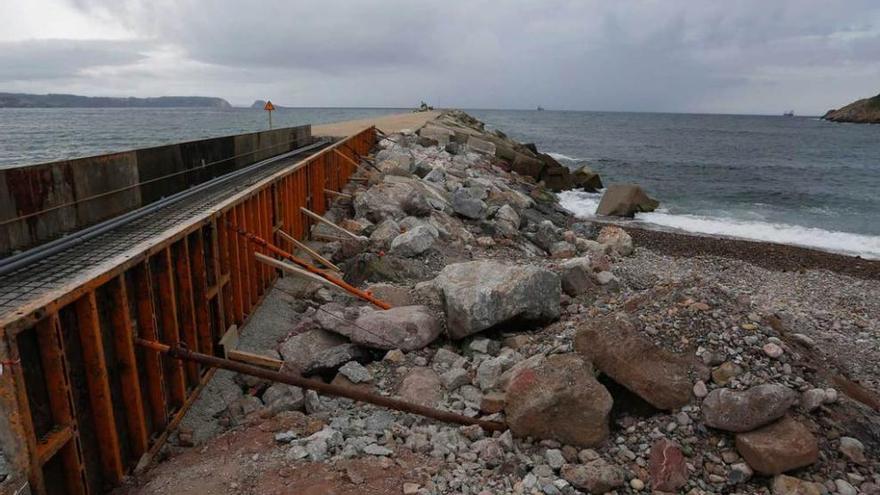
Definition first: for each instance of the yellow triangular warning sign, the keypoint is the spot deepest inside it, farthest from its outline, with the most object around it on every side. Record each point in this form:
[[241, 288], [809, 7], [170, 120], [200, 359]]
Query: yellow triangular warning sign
[[269, 106]]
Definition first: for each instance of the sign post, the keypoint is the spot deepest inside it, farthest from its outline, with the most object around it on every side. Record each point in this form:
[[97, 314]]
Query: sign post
[[269, 107]]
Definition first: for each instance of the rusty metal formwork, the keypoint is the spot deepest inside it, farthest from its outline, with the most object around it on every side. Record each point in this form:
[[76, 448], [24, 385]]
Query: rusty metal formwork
[[80, 404]]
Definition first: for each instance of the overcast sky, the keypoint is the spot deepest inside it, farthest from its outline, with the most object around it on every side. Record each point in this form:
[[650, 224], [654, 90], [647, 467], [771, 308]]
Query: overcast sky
[[762, 56]]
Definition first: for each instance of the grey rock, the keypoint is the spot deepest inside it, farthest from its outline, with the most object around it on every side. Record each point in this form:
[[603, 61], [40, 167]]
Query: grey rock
[[812, 399], [554, 458], [437, 176], [299, 351], [444, 359], [383, 201], [507, 221], [562, 249], [331, 359], [480, 294], [467, 205], [576, 276], [853, 450], [356, 372], [281, 397], [422, 386], [455, 378], [596, 476], [414, 242], [741, 411], [285, 436], [485, 346], [384, 233], [416, 204], [489, 373]]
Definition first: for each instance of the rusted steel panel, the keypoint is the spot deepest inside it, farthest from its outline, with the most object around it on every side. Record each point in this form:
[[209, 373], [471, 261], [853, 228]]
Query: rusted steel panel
[[170, 331], [203, 279], [127, 369], [200, 292], [186, 310], [99, 388], [150, 361]]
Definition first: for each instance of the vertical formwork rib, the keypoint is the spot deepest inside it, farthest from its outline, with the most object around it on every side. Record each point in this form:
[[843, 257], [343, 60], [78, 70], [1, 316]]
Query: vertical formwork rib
[[189, 287]]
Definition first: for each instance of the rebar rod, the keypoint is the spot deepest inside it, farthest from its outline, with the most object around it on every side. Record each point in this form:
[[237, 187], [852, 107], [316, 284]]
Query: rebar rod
[[180, 352]]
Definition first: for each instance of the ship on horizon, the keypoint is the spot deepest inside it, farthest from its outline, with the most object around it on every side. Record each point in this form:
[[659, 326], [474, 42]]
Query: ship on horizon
[[789, 113]]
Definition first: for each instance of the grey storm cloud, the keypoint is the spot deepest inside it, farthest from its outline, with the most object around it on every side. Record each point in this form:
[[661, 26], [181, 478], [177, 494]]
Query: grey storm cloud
[[671, 55], [56, 58]]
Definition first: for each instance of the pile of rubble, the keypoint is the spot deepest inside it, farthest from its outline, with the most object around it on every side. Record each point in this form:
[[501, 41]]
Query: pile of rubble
[[505, 308]]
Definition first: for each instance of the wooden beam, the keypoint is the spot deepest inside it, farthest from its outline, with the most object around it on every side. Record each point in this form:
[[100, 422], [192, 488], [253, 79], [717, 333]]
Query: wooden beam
[[349, 160], [329, 223], [200, 292], [311, 252], [186, 310], [272, 262], [254, 359], [337, 194], [98, 383]]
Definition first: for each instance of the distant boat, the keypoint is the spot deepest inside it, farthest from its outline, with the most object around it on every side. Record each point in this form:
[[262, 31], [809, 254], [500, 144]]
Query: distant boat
[[540, 108], [789, 113]]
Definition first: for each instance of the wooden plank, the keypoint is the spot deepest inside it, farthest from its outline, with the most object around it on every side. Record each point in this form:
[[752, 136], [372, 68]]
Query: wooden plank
[[357, 165], [200, 292], [127, 369], [186, 310], [98, 383], [148, 329], [52, 443], [329, 223], [254, 359], [293, 270], [311, 252], [174, 372]]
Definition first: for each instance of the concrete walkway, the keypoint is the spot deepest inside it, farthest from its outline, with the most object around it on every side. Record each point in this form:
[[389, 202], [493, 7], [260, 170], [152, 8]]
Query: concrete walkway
[[386, 123]]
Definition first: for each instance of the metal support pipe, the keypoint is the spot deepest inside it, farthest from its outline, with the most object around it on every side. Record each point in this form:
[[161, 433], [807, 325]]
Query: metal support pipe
[[180, 352]]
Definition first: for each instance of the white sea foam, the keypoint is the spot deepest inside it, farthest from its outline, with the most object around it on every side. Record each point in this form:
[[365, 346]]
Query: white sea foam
[[563, 157], [583, 205]]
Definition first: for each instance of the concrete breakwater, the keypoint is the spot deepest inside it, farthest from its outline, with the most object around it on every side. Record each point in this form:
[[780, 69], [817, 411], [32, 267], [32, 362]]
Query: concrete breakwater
[[42, 202], [615, 368]]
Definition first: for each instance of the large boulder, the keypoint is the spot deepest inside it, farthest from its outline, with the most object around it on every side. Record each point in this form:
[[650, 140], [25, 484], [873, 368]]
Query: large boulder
[[778, 447], [382, 201], [555, 176], [404, 327], [739, 411], [481, 294], [414, 242], [300, 350], [577, 276], [558, 398], [507, 221], [526, 165], [585, 178], [625, 200], [618, 349]]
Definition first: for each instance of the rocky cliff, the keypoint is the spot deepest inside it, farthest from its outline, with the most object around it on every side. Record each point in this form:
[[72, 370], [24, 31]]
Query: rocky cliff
[[865, 111]]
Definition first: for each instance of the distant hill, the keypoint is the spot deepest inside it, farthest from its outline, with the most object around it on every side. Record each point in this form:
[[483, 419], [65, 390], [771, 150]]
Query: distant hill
[[24, 100], [866, 111]]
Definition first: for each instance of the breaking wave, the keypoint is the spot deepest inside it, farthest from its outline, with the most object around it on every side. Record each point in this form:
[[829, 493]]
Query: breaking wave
[[583, 205], [564, 158]]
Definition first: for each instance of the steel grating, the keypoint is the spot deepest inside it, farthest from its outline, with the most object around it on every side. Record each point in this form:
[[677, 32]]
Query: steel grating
[[40, 279]]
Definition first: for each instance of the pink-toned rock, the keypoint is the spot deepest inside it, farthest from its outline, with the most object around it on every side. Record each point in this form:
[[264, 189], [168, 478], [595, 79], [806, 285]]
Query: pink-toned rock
[[558, 398], [778, 447], [616, 239], [617, 348], [667, 467], [422, 386]]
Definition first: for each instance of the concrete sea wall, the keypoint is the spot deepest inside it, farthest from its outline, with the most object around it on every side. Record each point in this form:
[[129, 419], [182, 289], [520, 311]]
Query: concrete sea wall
[[41, 202]]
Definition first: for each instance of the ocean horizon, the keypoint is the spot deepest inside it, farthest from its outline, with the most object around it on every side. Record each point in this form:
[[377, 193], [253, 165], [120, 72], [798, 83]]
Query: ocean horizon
[[793, 180]]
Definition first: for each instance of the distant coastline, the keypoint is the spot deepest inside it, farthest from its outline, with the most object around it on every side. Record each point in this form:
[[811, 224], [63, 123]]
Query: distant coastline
[[865, 111], [26, 100]]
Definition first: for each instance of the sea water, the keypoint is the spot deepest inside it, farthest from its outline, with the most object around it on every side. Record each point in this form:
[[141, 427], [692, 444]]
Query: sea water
[[794, 180]]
